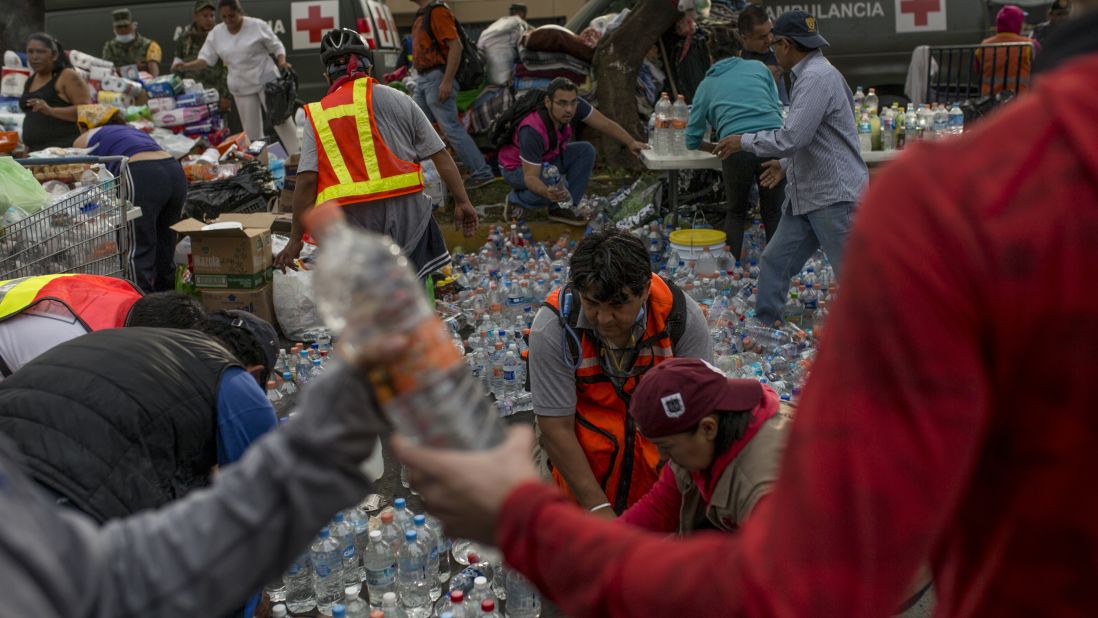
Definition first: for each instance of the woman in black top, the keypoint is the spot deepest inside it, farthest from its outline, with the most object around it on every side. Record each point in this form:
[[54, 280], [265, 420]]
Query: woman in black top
[[51, 95]]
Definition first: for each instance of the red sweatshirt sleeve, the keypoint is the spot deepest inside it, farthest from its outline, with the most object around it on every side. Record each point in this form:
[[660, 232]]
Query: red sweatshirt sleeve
[[883, 444], [659, 509]]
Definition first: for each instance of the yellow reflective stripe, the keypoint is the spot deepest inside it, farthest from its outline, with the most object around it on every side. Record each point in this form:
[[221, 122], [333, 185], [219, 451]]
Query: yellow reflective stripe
[[16, 294], [368, 187], [365, 131], [321, 117]]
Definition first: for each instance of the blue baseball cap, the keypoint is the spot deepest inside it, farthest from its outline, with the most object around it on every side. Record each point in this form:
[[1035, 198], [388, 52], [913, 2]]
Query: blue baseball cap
[[800, 27]]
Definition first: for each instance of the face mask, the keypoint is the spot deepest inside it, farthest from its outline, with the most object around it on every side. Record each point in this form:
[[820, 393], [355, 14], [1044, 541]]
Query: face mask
[[125, 38]]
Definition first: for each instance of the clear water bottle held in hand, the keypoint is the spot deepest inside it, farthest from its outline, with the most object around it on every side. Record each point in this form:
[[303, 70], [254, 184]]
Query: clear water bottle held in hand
[[366, 290], [552, 178], [327, 558], [379, 562], [413, 576], [300, 592]]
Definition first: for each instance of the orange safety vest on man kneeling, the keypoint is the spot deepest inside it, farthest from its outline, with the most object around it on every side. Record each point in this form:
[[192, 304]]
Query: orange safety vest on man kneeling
[[625, 463], [354, 164]]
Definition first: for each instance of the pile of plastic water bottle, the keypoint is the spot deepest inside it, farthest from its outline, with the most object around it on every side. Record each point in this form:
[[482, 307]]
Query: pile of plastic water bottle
[[404, 560], [296, 367], [505, 282]]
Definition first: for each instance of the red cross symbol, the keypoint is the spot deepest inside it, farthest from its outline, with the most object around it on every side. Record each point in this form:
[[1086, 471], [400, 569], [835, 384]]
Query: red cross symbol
[[316, 24], [921, 8]]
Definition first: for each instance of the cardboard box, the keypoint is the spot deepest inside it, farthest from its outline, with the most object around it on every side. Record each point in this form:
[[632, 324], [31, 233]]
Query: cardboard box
[[259, 301], [239, 282], [236, 251]]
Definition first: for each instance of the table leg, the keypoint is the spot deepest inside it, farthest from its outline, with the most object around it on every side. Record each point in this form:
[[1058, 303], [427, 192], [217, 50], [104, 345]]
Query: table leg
[[673, 197]]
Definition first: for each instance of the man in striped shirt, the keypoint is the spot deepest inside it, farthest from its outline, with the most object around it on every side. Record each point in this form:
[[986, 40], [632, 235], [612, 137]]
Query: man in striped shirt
[[818, 147]]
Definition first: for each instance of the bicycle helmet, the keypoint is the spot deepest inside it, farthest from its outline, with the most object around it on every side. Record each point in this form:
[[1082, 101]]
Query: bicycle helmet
[[342, 42]]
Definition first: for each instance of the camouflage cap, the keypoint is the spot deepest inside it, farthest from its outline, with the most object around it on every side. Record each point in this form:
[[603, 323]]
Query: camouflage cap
[[122, 17], [205, 4]]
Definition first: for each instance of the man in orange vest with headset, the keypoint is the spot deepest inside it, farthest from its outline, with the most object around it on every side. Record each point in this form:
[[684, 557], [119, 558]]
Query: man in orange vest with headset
[[589, 345], [361, 149], [37, 313]]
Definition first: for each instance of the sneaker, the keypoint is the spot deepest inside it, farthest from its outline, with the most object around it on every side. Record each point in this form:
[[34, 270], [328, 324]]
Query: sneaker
[[566, 216], [512, 210], [476, 182]]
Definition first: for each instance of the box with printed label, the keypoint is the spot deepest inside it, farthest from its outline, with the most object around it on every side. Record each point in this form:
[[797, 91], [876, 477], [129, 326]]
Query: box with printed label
[[234, 244], [259, 301], [239, 282]]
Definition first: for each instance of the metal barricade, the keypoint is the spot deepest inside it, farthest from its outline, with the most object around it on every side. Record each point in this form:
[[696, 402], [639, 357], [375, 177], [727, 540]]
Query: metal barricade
[[86, 231], [964, 74]]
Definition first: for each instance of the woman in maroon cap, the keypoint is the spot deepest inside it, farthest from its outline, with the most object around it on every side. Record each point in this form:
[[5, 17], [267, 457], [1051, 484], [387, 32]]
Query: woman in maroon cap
[[722, 439]]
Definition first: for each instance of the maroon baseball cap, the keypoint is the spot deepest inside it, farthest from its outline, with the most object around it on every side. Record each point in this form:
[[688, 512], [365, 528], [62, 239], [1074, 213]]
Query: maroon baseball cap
[[677, 394]]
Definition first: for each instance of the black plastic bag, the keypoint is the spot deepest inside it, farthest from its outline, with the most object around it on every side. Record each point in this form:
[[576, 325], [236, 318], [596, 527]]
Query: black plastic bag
[[281, 95], [247, 191]]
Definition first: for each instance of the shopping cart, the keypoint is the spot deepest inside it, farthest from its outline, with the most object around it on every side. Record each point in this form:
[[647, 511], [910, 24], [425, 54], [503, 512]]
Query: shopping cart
[[86, 231]]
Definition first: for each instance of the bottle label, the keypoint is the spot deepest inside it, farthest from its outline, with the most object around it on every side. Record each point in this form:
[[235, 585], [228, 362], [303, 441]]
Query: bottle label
[[323, 569], [509, 375], [429, 353], [381, 578], [349, 552]]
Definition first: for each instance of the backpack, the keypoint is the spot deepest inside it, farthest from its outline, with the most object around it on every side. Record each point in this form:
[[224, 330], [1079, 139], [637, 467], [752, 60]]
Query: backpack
[[504, 127], [470, 73]]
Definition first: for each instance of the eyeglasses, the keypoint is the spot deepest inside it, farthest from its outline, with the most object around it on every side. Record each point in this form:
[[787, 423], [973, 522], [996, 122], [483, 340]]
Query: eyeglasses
[[572, 103]]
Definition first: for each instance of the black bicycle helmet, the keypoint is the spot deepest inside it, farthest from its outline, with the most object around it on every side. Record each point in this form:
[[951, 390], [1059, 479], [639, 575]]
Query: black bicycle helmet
[[342, 42]]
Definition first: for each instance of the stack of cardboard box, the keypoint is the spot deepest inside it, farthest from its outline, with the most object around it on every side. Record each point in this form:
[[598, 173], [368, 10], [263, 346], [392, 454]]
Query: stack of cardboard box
[[231, 261]]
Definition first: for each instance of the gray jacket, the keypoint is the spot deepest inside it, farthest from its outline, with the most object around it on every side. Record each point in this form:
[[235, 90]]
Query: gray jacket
[[202, 555]]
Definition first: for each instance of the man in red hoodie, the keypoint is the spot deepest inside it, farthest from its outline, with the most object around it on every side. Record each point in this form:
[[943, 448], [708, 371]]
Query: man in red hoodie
[[950, 414], [722, 440]]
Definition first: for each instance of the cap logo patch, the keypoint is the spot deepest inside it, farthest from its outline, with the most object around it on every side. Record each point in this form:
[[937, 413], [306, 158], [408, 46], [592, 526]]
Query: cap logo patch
[[673, 405], [810, 23]]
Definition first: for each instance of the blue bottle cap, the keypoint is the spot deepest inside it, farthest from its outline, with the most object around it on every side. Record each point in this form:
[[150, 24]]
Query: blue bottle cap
[[419, 520], [399, 503], [338, 611], [286, 375], [325, 533], [338, 518], [410, 535]]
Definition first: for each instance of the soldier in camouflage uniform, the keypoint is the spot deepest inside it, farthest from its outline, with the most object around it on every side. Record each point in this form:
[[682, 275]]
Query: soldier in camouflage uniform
[[190, 41], [127, 47]]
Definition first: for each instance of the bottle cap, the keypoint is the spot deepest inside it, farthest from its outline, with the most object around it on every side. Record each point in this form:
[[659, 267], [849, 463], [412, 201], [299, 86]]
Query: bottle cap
[[457, 596], [271, 384], [325, 533], [350, 592], [377, 613], [389, 596], [419, 520], [487, 606], [399, 503], [338, 611], [386, 517], [410, 535]]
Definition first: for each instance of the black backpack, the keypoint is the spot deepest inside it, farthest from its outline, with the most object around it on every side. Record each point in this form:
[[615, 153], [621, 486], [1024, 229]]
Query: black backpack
[[504, 127], [470, 73]]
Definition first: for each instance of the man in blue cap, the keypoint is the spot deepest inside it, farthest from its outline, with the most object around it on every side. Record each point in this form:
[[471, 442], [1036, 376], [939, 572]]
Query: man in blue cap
[[818, 148]]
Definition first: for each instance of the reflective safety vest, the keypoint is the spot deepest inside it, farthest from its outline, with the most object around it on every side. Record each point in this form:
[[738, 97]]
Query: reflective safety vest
[[353, 163], [624, 462], [98, 302]]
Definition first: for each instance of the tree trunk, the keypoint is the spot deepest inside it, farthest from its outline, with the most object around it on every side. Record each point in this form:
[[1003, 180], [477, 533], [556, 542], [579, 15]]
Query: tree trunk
[[21, 18], [618, 57]]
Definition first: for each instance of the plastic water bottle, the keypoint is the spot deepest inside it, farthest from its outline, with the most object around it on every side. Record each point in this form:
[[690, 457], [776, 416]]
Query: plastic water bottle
[[510, 375], [413, 575], [428, 538], [356, 607], [279, 611], [365, 289], [522, 598], [339, 610], [443, 543], [475, 598], [872, 103], [402, 515], [956, 120], [300, 592], [391, 532], [304, 368], [865, 133], [390, 605], [456, 605], [888, 131], [550, 175], [380, 564], [288, 388], [859, 98], [344, 536], [680, 116], [941, 121], [327, 558], [662, 134]]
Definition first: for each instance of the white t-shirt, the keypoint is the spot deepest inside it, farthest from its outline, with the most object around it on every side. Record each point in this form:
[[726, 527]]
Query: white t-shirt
[[39, 328], [247, 54]]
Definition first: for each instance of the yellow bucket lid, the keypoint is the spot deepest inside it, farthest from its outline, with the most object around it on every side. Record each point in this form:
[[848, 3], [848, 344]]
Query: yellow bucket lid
[[698, 237]]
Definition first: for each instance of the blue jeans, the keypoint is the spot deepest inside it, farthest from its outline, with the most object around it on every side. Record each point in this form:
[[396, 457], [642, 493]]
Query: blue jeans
[[797, 238], [445, 113], [575, 165]]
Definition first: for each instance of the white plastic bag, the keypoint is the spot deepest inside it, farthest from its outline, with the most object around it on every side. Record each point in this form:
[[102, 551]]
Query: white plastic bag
[[293, 304]]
